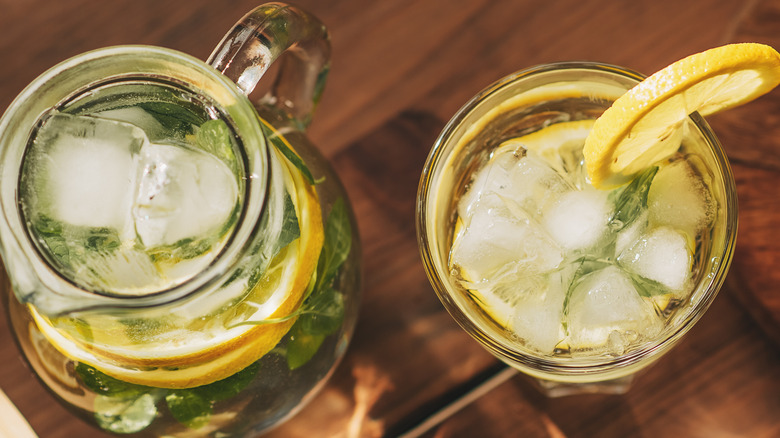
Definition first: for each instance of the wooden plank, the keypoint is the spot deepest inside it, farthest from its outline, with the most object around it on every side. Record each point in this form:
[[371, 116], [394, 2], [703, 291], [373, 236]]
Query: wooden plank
[[754, 268], [721, 380], [401, 68], [751, 137]]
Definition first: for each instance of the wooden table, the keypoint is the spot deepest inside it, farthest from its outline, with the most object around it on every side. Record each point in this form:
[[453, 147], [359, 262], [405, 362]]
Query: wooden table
[[400, 69]]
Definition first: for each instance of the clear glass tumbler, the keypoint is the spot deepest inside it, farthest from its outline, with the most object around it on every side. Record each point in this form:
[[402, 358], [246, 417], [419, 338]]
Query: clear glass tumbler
[[525, 103]]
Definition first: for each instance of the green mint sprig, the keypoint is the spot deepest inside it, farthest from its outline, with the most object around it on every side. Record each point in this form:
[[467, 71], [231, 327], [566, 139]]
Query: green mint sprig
[[172, 116], [124, 406], [632, 199], [323, 310], [281, 145], [193, 407]]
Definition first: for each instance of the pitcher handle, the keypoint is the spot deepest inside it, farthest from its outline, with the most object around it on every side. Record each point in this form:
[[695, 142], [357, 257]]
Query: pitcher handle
[[262, 36]]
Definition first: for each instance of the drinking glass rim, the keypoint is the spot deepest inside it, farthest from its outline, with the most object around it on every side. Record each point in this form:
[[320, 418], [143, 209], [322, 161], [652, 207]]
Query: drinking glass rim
[[436, 269]]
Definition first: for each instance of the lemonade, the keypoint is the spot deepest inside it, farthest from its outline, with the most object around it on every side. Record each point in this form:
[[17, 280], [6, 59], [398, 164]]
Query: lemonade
[[572, 271], [577, 218], [192, 279]]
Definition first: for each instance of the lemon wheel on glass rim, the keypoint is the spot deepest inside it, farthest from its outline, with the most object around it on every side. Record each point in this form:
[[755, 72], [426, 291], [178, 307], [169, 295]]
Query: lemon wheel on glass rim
[[642, 127], [236, 347]]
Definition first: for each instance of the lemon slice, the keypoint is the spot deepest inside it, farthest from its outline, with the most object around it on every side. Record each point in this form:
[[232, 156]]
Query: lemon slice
[[501, 303], [551, 138], [227, 350], [55, 366], [642, 127], [557, 144], [497, 306]]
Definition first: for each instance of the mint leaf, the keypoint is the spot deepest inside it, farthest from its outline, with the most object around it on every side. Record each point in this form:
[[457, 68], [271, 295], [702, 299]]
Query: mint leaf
[[189, 408], [290, 231], [302, 346], [51, 232], [119, 406], [67, 243], [230, 386], [586, 266], [633, 199], [648, 288], [337, 243], [103, 384], [323, 310], [216, 138], [184, 249], [124, 415], [172, 116], [102, 239], [47, 226], [280, 143], [326, 314], [193, 407]]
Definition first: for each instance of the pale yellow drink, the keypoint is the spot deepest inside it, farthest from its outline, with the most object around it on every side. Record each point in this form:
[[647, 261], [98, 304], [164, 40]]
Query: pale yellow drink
[[561, 280]]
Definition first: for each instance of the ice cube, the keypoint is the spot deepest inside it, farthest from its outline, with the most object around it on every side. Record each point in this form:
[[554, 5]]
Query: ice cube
[[572, 163], [630, 234], [137, 116], [606, 312], [660, 255], [182, 193], [498, 240], [578, 219], [631, 201], [679, 198], [538, 316], [88, 169], [526, 179], [500, 296], [126, 271]]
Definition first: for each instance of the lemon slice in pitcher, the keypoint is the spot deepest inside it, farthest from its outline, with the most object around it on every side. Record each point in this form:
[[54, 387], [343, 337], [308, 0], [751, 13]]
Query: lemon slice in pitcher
[[642, 127], [226, 350]]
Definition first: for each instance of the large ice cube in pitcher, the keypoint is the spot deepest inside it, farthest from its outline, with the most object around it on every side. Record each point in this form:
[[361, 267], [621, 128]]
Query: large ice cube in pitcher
[[85, 170], [182, 193]]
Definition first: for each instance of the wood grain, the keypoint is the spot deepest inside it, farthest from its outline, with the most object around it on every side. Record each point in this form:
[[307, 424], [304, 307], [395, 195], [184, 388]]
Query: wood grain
[[751, 136], [721, 381], [400, 69]]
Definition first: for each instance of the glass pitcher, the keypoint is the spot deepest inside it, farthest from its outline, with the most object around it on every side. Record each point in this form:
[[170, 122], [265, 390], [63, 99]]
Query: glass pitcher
[[182, 261]]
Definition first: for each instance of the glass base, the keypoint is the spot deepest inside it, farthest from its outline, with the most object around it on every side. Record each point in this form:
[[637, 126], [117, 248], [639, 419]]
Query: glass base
[[562, 389]]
